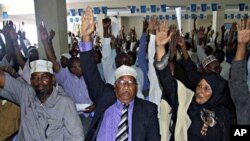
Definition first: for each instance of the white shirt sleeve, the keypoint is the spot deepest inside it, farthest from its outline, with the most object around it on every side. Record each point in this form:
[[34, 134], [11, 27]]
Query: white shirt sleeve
[[155, 91], [108, 62]]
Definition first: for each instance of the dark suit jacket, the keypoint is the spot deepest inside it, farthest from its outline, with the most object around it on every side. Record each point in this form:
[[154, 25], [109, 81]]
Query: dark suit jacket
[[145, 125]]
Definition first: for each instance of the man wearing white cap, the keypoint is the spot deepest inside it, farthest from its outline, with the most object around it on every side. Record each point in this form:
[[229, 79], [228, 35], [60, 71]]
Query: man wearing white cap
[[24, 69], [47, 114], [119, 113], [64, 60]]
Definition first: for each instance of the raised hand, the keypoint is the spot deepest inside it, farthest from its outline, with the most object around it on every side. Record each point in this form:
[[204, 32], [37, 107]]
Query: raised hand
[[153, 24], [162, 37], [217, 34], [243, 32], [6, 29], [51, 34], [43, 33], [145, 25], [13, 34], [234, 27], [209, 28], [106, 23], [88, 24], [201, 33], [223, 29], [180, 41]]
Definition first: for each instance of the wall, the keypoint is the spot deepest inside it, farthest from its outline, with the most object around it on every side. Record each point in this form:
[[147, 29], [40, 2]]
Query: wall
[[131, 20]]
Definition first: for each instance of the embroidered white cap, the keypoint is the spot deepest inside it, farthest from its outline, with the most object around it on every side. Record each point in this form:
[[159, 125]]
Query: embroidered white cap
[[209, 59], [125, 70], [66, 55], [41, 66]]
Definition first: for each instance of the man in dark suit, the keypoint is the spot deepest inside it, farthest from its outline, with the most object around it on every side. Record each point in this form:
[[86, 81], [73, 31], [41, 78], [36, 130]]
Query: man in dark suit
[[142, 122]]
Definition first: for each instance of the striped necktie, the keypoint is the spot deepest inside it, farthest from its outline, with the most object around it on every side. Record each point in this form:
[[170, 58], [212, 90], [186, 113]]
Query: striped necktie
[[122, 134]]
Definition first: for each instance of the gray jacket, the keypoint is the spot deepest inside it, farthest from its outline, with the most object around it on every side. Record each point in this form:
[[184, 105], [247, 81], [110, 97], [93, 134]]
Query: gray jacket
[[239, 91], [54, 120]]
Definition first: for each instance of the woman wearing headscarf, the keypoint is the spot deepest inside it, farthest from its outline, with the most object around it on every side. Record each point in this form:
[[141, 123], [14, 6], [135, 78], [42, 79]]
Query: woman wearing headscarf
[[202, 115]]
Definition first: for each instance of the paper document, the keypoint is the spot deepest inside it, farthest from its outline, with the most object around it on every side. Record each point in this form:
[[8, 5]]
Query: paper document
[[81, 107]]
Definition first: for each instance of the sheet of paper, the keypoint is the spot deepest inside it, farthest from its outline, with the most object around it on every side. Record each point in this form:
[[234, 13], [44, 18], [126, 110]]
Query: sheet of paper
[[178, 15], [81, 107]]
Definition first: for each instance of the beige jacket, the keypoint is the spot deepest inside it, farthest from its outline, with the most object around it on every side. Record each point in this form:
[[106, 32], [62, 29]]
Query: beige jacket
[[183, 121]]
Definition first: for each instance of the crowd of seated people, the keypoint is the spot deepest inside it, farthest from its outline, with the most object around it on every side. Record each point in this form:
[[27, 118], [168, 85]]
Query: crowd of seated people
[[160, 86]]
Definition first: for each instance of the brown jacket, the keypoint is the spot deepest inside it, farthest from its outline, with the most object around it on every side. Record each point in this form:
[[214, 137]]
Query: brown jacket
[[9, 119]]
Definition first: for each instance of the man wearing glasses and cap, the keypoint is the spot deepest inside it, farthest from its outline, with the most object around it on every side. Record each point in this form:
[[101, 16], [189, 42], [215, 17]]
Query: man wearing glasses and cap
[[46, 112], [119, 114]]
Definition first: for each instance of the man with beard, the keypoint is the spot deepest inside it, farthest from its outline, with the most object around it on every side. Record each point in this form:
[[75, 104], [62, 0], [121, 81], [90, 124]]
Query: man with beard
[[46, 112]]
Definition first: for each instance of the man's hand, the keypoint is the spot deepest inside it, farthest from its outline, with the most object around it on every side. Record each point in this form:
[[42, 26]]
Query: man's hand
[[201, 32], [6, 29], [88, 24], [43, 33], [89, 109], [153, 24], [51, 34], [181, 41], [145, 26], [162, 37], [106, 23], [209, 28], [243, 32], [223, 29], [13, 34]]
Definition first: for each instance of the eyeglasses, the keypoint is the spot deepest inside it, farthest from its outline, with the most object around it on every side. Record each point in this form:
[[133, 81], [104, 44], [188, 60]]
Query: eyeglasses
[[123, 82]]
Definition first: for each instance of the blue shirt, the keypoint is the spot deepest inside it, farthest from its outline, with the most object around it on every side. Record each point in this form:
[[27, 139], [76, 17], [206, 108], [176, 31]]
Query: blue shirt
[[75, 87], [111, 119], [142, 61]]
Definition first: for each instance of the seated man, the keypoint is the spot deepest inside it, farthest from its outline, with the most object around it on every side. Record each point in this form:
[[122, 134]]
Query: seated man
[[46, 112], [120, 114]]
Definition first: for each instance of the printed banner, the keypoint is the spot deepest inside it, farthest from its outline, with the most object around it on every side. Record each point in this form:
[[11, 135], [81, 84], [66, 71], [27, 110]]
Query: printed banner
[[203, 7], [153, 8], [133, 9], [232, 16], [104, 10], [72, 12], [193, 7], [163, 8], [241, 6], [214, 6], [167, 17], [5, 15], [143, 9], [96, 10], [80, 11]]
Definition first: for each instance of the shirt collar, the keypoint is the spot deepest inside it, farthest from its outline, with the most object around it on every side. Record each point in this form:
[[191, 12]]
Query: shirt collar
[[119, 104]]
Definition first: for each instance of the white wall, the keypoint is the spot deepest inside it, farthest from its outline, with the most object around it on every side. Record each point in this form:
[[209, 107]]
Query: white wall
[[131, 20]]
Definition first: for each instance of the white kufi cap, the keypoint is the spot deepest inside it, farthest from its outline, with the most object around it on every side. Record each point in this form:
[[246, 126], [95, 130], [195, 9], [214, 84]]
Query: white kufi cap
[[41, 66], [125, 70], [66, 55]]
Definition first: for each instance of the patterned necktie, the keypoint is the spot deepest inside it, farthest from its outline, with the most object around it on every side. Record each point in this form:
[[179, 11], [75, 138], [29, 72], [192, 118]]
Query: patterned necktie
[[122, 134]]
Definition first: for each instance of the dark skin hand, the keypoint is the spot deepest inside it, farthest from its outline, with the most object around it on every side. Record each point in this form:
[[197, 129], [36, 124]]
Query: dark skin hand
[[90, 108]]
